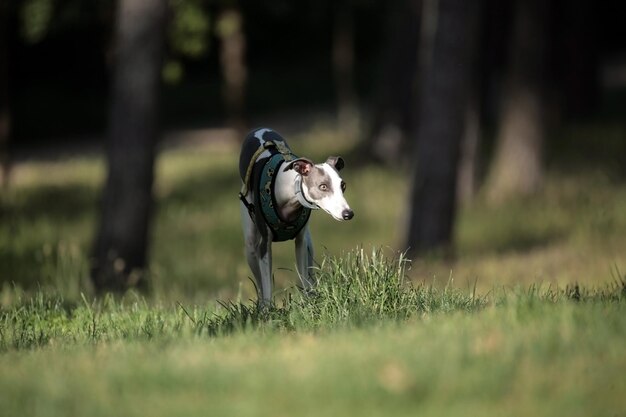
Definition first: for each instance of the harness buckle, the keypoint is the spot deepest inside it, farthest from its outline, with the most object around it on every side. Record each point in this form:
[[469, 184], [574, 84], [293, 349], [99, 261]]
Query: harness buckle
[[282, 148], [248, 205]]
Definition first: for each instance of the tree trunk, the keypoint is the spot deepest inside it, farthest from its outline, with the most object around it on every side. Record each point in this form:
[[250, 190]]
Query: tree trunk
[[229, 29], [467, 183], [343, 65], [579, 57], [442, 103], [517, 168], [392, 112], [5, 107], [120, 253], [470, 144]]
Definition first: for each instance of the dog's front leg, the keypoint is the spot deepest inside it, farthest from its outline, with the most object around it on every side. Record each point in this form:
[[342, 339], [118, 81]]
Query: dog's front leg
[[304, 258]]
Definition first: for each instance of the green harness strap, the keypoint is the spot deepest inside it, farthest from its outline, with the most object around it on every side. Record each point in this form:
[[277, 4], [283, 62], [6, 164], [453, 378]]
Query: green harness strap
[[281, 230], [279, 146]]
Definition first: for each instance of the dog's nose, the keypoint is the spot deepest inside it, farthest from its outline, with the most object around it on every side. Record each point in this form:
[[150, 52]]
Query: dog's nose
[[347, 214]]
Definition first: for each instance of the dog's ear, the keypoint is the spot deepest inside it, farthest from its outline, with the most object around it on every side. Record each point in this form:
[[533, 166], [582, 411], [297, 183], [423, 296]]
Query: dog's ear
[[301, 165], [336, 161]]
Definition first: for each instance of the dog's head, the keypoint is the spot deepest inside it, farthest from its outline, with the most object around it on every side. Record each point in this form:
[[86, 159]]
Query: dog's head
[[322, 185]]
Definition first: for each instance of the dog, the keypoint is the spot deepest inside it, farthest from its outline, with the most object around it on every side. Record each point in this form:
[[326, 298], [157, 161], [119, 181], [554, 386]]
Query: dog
[[278, 192]]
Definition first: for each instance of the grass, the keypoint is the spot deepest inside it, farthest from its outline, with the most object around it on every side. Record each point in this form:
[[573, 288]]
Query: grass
[[448, 365], [367, 342], [529, 319], [353, 291]]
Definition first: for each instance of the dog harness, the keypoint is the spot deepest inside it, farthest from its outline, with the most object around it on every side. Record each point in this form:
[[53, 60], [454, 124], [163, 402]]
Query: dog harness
[[259, 176]]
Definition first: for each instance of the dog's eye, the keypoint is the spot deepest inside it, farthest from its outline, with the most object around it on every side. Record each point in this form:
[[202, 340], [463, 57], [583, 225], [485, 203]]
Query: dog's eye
[[323, 187], [343, 186]]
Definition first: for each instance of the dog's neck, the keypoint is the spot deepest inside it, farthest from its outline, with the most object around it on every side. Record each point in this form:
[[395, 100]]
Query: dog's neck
[[284, 192]]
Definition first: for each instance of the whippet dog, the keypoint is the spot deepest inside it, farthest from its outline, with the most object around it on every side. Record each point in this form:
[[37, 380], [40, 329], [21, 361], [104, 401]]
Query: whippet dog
[[278, 193]]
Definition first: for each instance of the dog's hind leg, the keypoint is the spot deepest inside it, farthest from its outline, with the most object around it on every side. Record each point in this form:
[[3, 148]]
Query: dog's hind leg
[[259, 256], [264, 255], [304, 258], [251, 239]]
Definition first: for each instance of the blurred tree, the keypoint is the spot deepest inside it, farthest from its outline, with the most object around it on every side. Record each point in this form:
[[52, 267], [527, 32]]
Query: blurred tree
[[343, 65], [467, 183], [447, 47], [517, 167], [229, 30], [392, 112], [578, 52], [120, 250], [5, 107]]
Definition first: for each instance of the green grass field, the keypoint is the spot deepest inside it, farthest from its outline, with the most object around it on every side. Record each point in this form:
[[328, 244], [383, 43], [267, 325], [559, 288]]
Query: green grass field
[[504, 330]]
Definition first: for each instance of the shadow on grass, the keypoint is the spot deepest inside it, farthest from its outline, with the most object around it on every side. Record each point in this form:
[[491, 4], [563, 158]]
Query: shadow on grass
[[514, 241], [40, 227], [20, 267], [65, 203], [206, 190]]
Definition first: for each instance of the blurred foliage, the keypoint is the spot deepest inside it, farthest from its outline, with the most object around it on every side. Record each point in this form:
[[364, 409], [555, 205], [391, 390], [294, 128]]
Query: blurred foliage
[[286, 53], [189, 28], [39, 19], [36, 19], [173, 71], [228, 24], [188, 35]]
